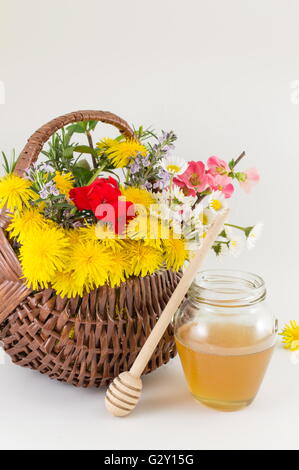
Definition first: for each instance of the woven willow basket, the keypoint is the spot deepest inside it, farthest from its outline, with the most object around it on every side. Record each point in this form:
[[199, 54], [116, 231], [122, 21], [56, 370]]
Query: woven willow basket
[[83, 341]]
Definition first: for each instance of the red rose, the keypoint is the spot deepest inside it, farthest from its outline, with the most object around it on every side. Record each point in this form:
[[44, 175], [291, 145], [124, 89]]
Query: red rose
[[101, 191], [102, 198]]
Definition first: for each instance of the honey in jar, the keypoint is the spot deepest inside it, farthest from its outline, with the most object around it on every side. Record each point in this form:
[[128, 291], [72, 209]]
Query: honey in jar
[[225, 337]]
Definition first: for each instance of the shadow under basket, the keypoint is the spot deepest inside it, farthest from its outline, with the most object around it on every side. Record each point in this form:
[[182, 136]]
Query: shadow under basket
[[88, 341]]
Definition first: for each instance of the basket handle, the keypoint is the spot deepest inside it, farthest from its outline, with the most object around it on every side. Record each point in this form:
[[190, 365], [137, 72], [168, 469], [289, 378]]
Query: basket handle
[[36, 142]]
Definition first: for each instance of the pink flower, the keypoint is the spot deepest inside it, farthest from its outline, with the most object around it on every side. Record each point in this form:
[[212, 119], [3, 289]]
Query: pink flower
[[251, 178], [217, 166], [228, 190], [221, 183], [194, 180]]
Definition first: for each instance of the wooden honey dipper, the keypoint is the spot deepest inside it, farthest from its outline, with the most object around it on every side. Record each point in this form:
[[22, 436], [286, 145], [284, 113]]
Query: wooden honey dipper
[[124, 392]]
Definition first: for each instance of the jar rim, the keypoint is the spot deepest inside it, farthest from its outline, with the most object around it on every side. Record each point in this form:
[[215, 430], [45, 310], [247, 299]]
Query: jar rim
[[227, 288]]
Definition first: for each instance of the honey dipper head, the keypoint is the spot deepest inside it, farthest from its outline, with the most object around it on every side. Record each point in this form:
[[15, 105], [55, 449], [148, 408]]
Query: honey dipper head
[[123, 394]]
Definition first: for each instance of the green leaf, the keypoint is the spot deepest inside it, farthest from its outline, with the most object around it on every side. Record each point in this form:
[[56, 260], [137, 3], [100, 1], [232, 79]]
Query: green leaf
[[5, 164], [68, 152], [241, 176], [222, 234], [97, 173], [113, 173], [79, 127], [247, 230], [9, 164], [92, 125], [83, 175], [217, 248], [85, 149], [119, 138], [83, 164], [231, 164]]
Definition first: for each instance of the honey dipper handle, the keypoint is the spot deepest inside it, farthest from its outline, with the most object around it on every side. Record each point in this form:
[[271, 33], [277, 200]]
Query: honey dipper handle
[[177, 297]]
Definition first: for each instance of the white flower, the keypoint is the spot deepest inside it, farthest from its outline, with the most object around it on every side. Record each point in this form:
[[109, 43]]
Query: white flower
[[193, 231], [180, 198], [207, 216], [162, 197], [174, 165], [236, 242], [236, 245], [217, 201], [254, 235], [160, 210], [174, 198]]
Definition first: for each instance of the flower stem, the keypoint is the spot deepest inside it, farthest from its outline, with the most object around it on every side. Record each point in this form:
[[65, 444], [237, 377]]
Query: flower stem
[[90, 142], [96, 174], [201, 196], [243, 154], [236, 226]]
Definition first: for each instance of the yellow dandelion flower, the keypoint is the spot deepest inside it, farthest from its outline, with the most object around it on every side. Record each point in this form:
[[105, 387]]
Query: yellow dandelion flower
[[107, 236], [41, 205], [64, 283], [138, 196], [73, 235], [42, 254], [105, 144], [64, 182], [121, 152], [120, 266], [101, 232], [144, 259], [90, 262], [24, 223], [290, 335], [154, 242], [148, 228], [88, 233], [98, 232], [176, 253], [15, 193]]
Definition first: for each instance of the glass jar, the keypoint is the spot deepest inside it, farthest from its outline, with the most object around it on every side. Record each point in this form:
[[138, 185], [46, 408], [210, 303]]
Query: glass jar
[[225, 336]]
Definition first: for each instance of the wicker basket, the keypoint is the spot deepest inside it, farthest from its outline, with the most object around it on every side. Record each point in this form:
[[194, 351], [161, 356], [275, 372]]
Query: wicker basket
[[83, 341]]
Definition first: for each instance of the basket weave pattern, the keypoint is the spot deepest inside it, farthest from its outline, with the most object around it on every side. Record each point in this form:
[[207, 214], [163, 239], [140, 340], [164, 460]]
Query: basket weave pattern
[[83, 341]]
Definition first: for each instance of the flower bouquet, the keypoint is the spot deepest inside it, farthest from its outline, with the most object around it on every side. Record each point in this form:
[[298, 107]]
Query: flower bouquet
[[94, 239]]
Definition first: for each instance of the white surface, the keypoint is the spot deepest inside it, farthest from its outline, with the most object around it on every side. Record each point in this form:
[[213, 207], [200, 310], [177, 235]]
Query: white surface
[[37, 413], [220, 74]]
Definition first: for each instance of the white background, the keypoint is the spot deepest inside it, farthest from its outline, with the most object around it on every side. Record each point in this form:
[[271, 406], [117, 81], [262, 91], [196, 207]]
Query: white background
[[221, 75]]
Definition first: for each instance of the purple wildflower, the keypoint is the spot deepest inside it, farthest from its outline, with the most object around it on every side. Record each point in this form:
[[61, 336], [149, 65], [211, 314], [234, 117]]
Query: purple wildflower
[[54, 191], [46, 167], [43, 193], [148, 185], [135, 167], [146, 162]]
